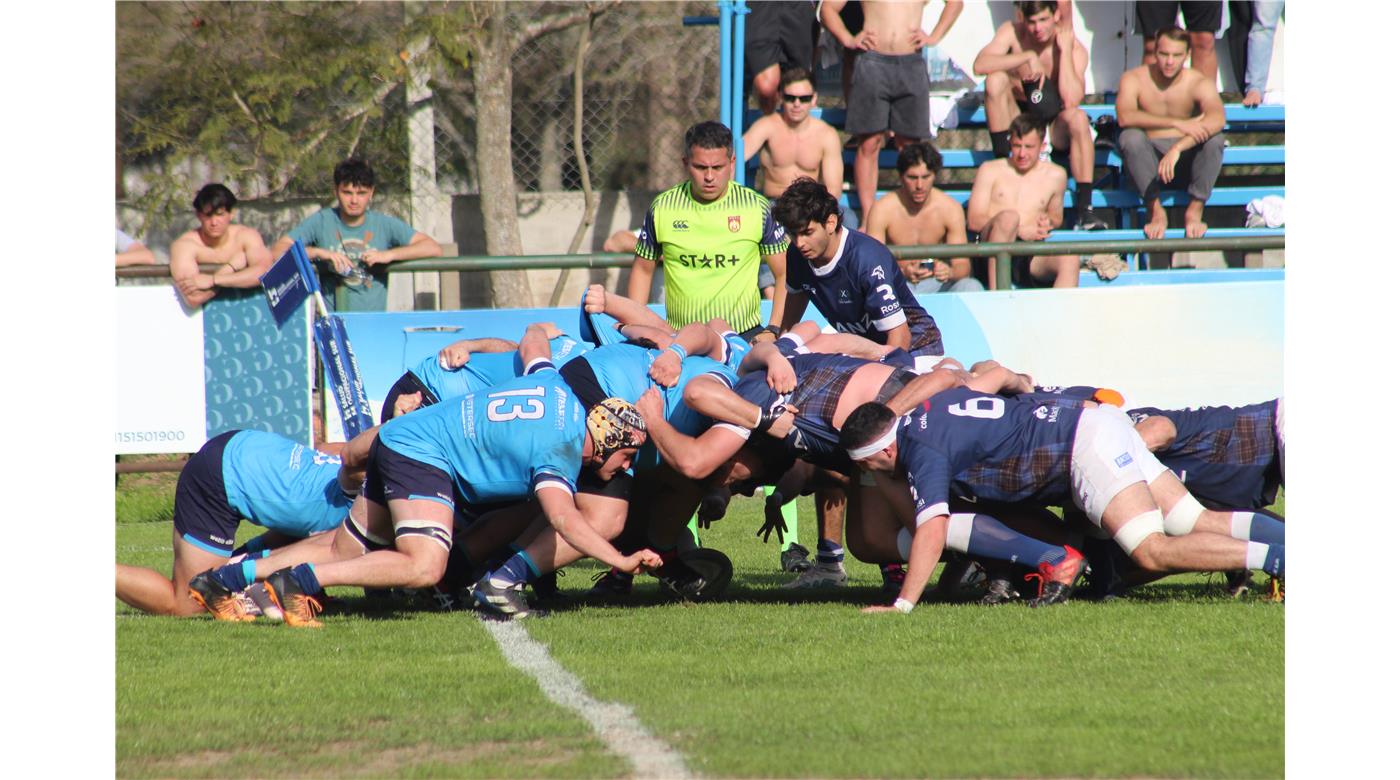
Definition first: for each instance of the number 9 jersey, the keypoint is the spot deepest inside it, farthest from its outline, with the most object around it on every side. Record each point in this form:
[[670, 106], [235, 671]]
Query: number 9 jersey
[[501, 442]]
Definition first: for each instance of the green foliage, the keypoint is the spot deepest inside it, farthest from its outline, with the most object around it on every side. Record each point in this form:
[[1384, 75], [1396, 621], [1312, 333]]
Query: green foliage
[[1174, 680], [264, 96]]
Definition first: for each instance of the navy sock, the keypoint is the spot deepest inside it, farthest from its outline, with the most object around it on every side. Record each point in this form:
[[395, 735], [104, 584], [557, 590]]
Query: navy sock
[[991, 539], [519, 568], [1256, 527], [305, 575], [830, 552], [230, 576], [256, 547], [1273, 562]]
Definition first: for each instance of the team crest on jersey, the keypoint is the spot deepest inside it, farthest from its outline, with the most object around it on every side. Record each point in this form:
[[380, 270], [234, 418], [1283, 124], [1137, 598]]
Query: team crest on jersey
[[734, 223], [845, 296]]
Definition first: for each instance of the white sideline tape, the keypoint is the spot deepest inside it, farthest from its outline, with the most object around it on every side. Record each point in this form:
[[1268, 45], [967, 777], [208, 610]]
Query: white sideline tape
[[614, 723]]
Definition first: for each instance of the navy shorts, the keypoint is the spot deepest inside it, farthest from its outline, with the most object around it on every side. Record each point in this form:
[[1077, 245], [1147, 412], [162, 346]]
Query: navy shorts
[[203, 516], [390, 475]]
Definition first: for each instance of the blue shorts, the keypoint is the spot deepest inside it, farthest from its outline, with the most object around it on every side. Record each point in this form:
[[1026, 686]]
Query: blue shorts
[[203, 516], [390, 476]]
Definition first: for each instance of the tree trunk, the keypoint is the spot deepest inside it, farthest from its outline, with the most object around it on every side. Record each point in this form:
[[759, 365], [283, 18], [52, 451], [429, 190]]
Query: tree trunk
[[666, 112], [492, 88]]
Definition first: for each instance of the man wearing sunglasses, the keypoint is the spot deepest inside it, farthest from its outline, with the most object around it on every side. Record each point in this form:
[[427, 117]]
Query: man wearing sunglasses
[[792, 143]]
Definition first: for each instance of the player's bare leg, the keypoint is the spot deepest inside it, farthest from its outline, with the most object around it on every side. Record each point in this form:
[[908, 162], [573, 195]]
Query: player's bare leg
[[150, 591]]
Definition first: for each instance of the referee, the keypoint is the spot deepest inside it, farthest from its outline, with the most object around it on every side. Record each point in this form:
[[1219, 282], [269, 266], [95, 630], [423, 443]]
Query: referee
[[708, 234]]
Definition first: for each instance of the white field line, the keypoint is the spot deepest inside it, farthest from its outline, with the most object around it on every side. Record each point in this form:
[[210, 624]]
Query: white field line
[[614, 723]]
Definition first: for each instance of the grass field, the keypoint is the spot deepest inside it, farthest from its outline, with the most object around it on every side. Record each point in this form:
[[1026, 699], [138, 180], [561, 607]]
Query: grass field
[[1174, 681]]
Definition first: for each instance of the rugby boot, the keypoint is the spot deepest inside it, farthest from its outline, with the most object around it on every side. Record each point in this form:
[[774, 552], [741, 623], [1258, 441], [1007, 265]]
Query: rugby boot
[[1237, 583], [299, 610], [999, 591], [794, 559], [819, 575], [220, 602], [892, 579], [502, 602], [1057, 580], [1276, 589], [610, 584]]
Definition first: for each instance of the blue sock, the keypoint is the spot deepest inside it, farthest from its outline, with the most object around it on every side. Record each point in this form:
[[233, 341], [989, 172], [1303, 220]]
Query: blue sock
[[1273, 562], [256, 547], [232, 576], [830, 552], [305, 575], [989, 538], [1256, 527], [519, 568]]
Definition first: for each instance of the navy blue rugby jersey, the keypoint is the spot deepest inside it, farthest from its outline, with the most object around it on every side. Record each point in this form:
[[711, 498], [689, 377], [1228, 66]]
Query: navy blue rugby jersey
[[863, 292], [1227, 456]]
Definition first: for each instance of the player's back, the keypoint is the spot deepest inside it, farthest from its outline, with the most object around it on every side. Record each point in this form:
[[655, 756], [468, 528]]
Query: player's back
[[283, 485], [1226, 456], [486, 369], [493, 442]]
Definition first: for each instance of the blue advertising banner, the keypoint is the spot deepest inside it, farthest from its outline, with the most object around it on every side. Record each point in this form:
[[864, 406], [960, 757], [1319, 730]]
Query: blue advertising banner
[[347, 389], [256, 373], [288, 282]]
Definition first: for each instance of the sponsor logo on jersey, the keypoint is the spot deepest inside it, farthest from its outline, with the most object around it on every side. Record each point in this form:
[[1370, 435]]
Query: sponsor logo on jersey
[[734, 223], [845, 296], [680, 224], [706, 261], [877, 272], [1123, 460], [889, 308], [219, 539], [1047, 412]]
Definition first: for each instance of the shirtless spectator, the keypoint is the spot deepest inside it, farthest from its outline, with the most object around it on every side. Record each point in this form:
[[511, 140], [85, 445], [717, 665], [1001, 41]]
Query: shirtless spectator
[[133, 252], [1171, 118], [793, 143], [1035, 65], [919, 214], [1022, 198], [889, 83], [238, 250]]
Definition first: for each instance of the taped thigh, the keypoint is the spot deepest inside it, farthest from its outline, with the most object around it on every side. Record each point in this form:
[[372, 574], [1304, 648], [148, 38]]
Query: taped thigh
[[1133, 532]]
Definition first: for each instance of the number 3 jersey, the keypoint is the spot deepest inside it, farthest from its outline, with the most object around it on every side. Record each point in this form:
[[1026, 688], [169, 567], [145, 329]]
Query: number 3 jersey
[[502, 442], [979, 446], [863, 292]]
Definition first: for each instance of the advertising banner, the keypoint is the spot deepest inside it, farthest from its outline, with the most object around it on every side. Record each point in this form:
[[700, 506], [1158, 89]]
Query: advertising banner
[[160, 372]]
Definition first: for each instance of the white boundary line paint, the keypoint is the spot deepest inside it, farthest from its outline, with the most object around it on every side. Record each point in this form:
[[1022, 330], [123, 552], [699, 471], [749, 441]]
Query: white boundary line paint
[[614, 723]]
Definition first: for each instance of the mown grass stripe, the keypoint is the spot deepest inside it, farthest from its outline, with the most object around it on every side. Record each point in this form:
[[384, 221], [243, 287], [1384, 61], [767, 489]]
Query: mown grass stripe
[[614, 723]]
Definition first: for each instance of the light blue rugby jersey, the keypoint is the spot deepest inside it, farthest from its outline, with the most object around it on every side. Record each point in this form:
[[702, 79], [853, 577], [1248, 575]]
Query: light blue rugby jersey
[[486, 369], [282, 485], [501, 442], [622, 369]]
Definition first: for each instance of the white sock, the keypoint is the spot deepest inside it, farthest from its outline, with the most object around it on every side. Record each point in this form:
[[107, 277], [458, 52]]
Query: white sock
[[1254, 555]]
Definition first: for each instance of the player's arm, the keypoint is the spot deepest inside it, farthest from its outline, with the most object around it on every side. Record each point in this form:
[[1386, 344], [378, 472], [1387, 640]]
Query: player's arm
[[794, 305], [256, 259], [997, 55], [930, 524], [989, 376], [899, 336], [420, 245], [767, 357], [721, 404], [694, 339], [459, 353], [195, 288], [777, 263], [922, 388], [563, 514], [622, 308], [979, 202], [354, 456], [695, 457], [647, 255]]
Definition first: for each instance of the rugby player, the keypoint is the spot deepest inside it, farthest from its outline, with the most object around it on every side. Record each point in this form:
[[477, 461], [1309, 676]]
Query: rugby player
[[265, 478], [962, 442]]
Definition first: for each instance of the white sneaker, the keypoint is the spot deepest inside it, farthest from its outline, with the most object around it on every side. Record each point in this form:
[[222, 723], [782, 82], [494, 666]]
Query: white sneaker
[[821, 575]]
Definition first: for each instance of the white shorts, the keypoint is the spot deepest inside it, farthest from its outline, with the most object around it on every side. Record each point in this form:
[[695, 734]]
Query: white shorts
[[1108, 456]]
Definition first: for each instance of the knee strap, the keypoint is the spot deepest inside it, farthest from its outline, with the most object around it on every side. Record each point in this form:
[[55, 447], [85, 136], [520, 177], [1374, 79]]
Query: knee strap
[[367, 541], [959, 531], [904, 542], [424, 529], [1138, 529], [1182, 519]]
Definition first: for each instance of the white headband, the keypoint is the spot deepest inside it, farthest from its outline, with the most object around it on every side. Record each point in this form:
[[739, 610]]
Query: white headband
[[885, 440]]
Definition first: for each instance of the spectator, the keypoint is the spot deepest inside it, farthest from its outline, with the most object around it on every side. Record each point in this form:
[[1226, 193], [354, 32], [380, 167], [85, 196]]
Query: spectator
[[778, 35], [918, 213], [889, 83], [357, 242], [793, 143], [238, 250], [708, 234], [1260, 51], [1022, 198], [132, 252], [1202, 19], [1170, 117], [1035, 65]]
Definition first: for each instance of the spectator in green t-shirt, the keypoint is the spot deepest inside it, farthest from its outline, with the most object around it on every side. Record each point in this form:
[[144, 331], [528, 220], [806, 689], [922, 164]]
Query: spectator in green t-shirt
[[357, 244]]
